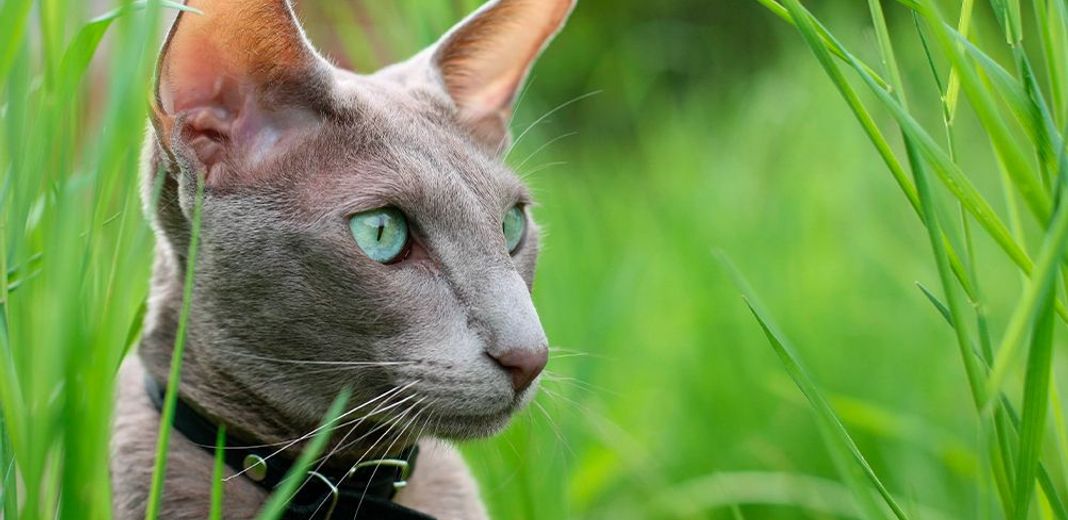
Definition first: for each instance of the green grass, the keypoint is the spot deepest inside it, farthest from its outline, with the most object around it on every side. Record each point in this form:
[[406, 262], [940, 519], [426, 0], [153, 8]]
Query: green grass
[[716, 128]]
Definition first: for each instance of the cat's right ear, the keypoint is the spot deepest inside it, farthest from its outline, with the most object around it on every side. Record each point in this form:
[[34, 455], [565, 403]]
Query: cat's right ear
[[483, 61], [234, 84]]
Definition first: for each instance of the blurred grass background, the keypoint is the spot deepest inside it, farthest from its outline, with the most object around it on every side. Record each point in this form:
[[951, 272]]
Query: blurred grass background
[[675, 129]]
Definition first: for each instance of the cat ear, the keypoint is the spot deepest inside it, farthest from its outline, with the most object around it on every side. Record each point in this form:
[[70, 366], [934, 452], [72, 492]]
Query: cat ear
[[235, 83], [483, 61]]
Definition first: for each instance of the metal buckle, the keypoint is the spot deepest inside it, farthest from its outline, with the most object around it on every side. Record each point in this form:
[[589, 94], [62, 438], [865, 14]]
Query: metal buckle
[[405, 467], [333, 494]]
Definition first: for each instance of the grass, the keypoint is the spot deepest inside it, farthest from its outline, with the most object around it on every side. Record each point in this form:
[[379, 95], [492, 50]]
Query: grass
[[664, 398]]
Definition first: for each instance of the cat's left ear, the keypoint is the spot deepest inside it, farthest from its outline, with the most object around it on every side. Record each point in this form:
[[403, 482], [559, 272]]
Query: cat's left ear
[[235, 82], [483, 61]]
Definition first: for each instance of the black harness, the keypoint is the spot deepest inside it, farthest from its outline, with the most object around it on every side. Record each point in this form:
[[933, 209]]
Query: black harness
[[364, 492]]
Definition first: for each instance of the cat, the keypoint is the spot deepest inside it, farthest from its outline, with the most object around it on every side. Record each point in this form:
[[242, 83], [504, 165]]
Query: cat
[[357, 232]]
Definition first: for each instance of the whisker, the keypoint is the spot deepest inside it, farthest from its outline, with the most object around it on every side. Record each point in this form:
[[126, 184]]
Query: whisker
[[392, 423], [564, 350], [576, 354], [320, 428], [524, 175], [403, 414], [561, 397], [515, 110], [334, 369], [322, 503], [542, 147], [555, 428], [340, 445], [577, 383], [313, 361], [375, 470], [547, 114], [298, 439]]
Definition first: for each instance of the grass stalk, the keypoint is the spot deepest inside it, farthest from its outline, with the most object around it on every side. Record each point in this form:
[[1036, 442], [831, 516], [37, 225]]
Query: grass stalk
[[1036, 403], [217, 474], [170, 399], [828, 419]]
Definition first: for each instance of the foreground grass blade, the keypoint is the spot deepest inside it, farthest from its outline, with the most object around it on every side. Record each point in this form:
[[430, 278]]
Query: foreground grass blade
[[170, 399], [8, 504], [276, 505], [825, 36], [1060, 512], [83, 46], [1052, 18], [826, 415], [14, 16], [1036, 403], [217, 474], [1024, 316], [959, 185], [1008, 149]]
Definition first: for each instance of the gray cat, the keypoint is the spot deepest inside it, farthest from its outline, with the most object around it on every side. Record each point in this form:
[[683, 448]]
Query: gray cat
[[358, 231]]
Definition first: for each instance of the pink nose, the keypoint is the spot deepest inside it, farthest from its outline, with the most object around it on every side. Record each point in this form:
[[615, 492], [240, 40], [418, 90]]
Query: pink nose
[[523, 364]]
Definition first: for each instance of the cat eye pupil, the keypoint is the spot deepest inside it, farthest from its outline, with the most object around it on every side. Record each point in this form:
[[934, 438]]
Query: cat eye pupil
[[382, 234], [514, 227]]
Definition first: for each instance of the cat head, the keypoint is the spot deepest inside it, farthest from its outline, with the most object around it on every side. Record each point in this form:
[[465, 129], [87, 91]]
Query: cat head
[[357, 230]]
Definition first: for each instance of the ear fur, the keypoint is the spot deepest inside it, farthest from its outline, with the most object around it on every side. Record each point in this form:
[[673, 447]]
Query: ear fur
[[235, 82], [483, 60]]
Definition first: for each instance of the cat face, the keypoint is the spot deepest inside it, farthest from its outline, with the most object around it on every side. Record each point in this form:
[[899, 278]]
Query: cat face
[[357, 231]]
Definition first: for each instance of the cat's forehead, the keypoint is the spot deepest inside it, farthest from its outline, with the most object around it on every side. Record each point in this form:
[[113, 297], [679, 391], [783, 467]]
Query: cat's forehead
[[399, 143]]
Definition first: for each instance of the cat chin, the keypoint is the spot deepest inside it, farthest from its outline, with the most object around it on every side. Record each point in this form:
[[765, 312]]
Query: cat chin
[[461, 428]]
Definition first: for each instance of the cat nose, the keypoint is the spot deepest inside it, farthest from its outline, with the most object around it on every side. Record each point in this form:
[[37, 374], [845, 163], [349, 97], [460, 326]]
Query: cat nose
[[523, 364]]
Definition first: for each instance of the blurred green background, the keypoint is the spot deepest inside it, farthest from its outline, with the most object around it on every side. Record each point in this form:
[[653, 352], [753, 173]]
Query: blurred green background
[[712, 128], [661, 134]]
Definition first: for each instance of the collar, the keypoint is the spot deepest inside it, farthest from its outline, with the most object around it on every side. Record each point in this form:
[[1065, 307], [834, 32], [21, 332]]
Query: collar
[[364, 492]]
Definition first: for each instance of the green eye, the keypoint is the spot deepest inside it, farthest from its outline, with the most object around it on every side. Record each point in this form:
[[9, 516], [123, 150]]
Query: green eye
[[381, 233], [514, 226]]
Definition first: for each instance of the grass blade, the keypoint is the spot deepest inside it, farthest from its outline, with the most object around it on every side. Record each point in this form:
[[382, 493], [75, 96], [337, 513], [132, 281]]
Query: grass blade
[[1052, 20], [14, 17], [217, 474], [826, 415], [1060, 512], [170, 398], [959, 185], [1026, 313], [1006, 147], [939, 306], [1036, 404], [82, 47], [829, 41], [8, 498]]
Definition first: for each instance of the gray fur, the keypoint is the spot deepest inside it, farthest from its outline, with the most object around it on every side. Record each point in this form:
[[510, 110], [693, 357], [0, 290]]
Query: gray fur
[[279, 277]]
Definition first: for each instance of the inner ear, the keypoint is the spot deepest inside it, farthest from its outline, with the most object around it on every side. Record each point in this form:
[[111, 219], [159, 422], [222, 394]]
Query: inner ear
[[237, 83], [483, 61]]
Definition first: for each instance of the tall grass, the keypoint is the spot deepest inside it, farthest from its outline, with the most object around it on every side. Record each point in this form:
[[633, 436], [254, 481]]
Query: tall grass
[[1026, 134], [72, 271], [662, 399]]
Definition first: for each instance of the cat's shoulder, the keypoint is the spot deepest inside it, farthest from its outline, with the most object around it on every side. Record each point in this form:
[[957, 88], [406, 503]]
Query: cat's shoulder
[[187, 488], [442, 484]]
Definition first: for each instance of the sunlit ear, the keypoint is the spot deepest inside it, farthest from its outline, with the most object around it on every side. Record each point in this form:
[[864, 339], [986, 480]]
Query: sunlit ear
[[235, 82], [485, 58]]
